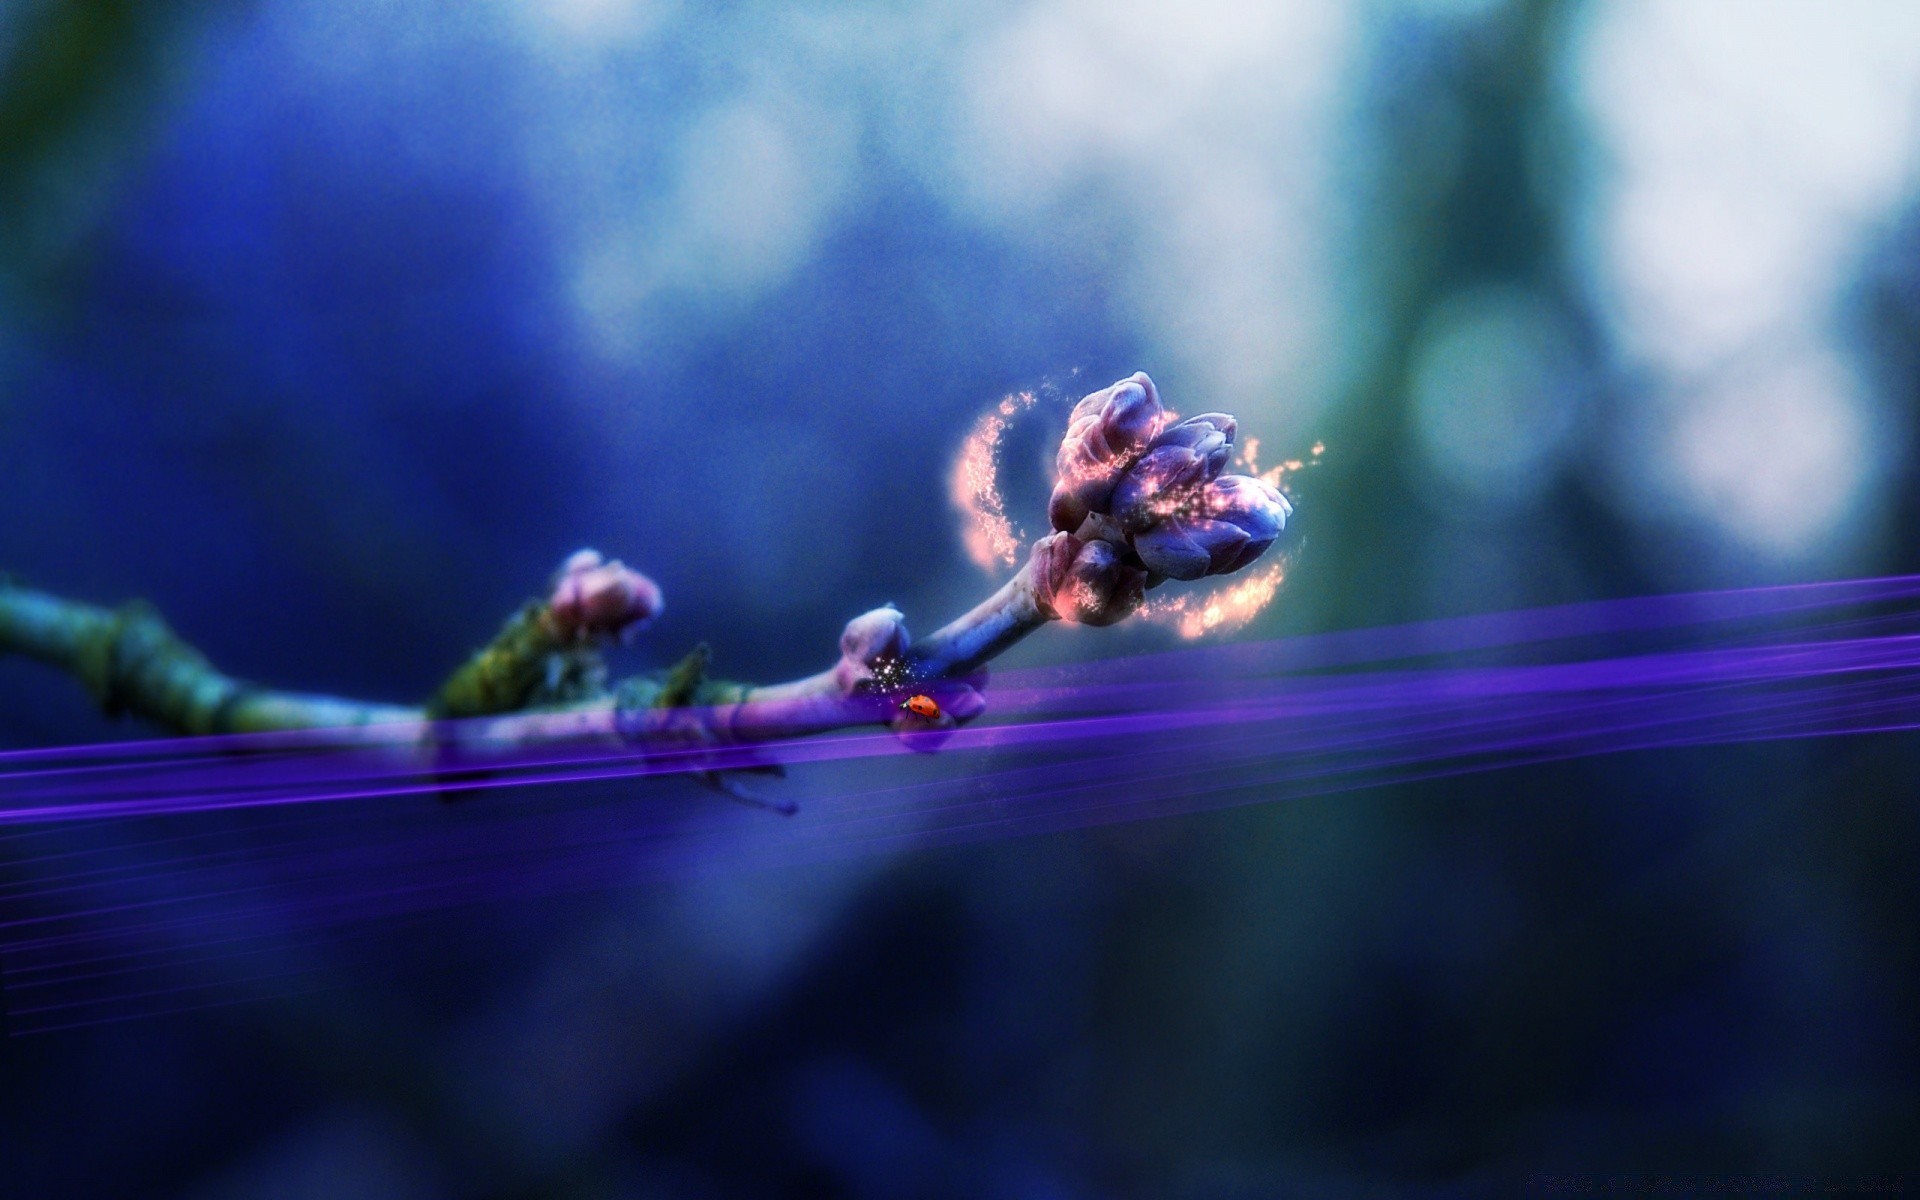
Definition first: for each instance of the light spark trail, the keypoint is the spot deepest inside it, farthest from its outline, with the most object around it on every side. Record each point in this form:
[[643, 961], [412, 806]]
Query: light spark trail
[[987, 532]]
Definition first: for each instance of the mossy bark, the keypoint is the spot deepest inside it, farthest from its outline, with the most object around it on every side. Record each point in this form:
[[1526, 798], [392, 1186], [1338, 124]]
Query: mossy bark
[[133, 663]]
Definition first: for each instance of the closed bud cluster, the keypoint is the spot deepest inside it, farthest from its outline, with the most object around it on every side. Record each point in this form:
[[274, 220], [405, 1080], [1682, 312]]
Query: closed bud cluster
[[1153, 495]]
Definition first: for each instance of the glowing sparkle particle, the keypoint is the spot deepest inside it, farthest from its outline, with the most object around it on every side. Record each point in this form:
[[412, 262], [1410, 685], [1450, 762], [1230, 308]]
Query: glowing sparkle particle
[[1248, 460], [1221, 610], [991, 539], [892, 674]]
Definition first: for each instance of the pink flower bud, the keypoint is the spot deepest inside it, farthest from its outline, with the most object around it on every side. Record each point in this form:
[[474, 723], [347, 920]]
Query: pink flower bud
[[1107, 432], [596, 598], [1051, 559], [873, 650], [1089, 583]]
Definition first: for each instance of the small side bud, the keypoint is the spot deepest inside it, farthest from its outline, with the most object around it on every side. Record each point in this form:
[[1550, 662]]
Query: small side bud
[[873, 650], [1088, 583], [595, 598]]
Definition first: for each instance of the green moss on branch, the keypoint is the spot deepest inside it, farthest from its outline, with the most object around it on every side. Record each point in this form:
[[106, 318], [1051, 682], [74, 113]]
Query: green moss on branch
[[133, 663]]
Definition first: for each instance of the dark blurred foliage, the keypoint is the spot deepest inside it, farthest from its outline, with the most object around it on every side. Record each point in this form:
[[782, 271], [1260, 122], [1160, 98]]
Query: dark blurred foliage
[[320, 410]]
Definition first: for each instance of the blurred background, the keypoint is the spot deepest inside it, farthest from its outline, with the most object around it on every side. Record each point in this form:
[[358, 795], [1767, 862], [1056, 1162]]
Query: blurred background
[[331, 328]]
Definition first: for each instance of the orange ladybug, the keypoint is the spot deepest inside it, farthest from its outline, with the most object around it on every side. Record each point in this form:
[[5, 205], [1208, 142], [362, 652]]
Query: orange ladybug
[[924, 706]]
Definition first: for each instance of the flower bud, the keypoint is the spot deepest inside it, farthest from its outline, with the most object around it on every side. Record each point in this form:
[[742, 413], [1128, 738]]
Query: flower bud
[[1051, 559], [1107, 431], [1182, 458], [1089, 583], [873, 649], [594, 598], [1229, 523]]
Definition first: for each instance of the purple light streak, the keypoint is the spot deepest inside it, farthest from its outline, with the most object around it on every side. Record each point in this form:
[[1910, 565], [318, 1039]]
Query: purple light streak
[[148, 871]]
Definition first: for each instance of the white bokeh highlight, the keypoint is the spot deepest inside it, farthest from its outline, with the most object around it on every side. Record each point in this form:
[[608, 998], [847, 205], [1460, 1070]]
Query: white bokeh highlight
[[1497, 393], [756, 183], [1747, 153], [1200, 135], [1787, 448], [1192, 140]]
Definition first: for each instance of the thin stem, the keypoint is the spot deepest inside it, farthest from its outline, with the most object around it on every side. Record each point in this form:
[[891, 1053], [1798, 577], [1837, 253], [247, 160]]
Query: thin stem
[[133, 663]]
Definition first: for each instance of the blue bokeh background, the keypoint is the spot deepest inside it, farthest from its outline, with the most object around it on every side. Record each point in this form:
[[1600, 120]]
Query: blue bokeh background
[[330, 329]]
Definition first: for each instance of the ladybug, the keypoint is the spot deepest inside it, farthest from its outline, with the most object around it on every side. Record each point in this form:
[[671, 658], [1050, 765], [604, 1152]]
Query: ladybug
[[922, 705]]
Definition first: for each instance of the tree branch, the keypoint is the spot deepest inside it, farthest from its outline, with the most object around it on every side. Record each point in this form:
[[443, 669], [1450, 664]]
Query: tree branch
[[133, 663], [1139, 499]]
